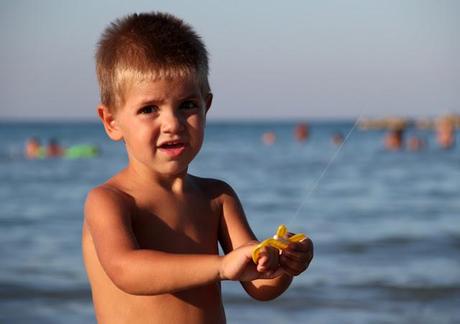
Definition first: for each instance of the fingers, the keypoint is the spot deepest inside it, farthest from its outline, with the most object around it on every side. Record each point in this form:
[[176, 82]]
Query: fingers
[[293, 265], [297, 257], [262, 263], [293, 260], [268, 260], [303, 246]]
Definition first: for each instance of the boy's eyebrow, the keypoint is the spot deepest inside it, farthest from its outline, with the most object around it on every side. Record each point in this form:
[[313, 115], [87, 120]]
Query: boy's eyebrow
[[159, 101], [190, 96], [150, 101]]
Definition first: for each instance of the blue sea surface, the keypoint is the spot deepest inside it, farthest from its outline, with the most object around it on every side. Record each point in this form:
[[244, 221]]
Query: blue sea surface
[[385, 225]]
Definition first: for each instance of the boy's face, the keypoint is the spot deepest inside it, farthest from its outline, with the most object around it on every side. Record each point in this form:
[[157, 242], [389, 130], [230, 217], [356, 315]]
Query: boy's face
[[162, 124]]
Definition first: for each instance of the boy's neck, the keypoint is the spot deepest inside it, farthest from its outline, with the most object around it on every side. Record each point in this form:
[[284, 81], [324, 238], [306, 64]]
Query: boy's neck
[[177, 183]]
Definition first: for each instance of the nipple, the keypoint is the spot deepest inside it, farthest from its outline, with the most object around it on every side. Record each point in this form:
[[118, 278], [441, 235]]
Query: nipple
[[279, 241]]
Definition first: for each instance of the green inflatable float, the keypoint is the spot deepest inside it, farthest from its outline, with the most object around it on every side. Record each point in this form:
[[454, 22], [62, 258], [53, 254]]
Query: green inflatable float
[[82, 151]]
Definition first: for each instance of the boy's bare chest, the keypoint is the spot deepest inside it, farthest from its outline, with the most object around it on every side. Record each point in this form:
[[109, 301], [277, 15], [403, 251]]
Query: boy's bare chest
[[187, 225]]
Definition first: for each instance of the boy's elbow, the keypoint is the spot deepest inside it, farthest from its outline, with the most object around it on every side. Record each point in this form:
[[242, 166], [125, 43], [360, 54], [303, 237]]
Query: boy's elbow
[[265, 290], [123, 278], [263, 293], [125, 286], [264, 296], [130, 282], [125, 283]]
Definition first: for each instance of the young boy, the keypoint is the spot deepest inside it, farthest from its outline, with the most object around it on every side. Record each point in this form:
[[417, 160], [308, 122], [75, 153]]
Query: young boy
[[150, 233]]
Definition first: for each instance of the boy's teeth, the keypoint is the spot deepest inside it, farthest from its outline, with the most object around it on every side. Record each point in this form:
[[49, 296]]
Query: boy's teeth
[[172, 145]]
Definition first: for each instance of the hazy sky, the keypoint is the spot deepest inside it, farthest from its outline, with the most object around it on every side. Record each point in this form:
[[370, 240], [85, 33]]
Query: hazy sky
[[269, 59]]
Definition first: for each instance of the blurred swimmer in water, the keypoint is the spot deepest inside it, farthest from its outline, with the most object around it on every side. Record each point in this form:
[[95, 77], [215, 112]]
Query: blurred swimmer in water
[[54, 149], [301, 132], [32, 148], [445, 133], [268, 138], [394, 138], [415, 143], [337, 138]]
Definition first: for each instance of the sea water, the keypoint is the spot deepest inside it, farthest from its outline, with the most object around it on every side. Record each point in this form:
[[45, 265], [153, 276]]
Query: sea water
[[385, 225]]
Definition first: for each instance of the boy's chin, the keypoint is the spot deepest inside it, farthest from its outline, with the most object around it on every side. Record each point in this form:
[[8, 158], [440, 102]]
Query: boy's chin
[[173, 171]]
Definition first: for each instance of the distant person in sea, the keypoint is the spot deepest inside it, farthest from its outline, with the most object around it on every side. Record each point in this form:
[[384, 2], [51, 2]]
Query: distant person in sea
[[415, 143], [151, 232], [301, 132], [53, 149], [394, 139], [269, 138], [32, 148], [445, 133], [337, 139]]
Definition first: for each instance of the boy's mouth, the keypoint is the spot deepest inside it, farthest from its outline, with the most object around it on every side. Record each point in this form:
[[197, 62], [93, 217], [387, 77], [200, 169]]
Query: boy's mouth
[[172, 148]]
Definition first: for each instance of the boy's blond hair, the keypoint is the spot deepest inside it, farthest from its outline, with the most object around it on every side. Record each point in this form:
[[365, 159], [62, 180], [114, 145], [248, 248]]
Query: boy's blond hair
[[147, 46]]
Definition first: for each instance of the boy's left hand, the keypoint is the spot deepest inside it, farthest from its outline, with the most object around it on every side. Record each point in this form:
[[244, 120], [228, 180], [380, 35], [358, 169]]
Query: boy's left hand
[[269, 262], [297, 257]]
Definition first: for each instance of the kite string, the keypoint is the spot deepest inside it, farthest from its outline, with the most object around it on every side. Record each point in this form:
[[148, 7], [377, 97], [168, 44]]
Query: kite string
[[323, 172]]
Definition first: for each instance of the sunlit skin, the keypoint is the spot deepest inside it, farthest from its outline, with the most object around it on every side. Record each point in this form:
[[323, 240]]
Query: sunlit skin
[[151, 232]]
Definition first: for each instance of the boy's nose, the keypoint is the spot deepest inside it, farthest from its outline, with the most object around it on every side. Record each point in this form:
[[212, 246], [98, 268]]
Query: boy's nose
[[171, 123]]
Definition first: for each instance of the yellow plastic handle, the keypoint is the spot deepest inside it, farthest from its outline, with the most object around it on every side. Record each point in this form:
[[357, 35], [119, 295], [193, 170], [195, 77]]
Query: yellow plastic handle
[[279, 241]]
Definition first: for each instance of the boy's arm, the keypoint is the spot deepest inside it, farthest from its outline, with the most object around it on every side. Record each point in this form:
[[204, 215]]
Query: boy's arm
[[235, 232], [134, 270]]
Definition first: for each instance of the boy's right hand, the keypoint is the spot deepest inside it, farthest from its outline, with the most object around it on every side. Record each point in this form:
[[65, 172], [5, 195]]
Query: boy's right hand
[[238, 264]]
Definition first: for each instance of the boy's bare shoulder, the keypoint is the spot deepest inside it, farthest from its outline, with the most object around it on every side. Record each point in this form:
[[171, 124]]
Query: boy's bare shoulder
[[214, 188], [108, 195]]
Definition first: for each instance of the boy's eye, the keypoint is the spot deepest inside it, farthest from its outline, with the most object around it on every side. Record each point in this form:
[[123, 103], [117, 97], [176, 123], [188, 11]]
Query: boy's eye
[[146, 110], [189, 105]]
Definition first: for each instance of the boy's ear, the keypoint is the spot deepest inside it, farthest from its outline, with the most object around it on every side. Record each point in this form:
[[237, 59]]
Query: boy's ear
[[110, 123], [208, 101]]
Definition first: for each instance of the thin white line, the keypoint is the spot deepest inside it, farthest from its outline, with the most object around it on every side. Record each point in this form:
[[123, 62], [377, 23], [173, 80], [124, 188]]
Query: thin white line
[[323, 172]]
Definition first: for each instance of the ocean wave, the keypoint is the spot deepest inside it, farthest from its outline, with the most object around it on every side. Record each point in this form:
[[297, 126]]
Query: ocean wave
[[412, 291], [445, 243]]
